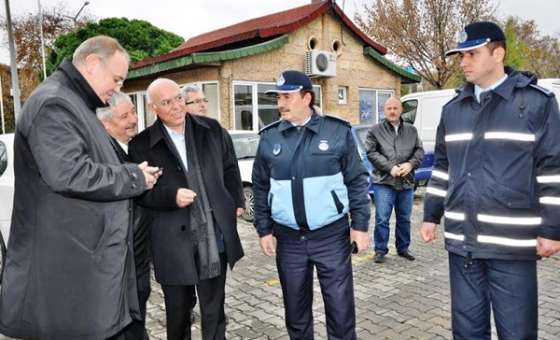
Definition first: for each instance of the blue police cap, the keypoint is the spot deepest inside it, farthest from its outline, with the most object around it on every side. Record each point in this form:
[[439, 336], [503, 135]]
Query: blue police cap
[[476, 35], [292, 81]]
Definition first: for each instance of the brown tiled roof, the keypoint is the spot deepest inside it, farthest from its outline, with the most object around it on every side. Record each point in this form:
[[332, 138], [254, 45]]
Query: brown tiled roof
[[261, 28]]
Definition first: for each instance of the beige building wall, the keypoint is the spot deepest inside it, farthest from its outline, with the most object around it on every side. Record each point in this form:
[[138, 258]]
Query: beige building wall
[[354, 70]]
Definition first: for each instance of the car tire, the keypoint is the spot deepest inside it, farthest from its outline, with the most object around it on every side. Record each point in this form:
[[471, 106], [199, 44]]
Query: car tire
[[249, 203]]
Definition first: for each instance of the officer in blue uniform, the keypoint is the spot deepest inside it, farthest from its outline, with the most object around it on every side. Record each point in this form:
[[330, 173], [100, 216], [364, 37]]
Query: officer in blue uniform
[[308, 180], [496, 180]]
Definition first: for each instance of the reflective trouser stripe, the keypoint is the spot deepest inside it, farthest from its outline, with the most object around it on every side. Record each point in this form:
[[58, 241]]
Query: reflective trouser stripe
[[454, 216], [548, 179], [550, 200], [436, 192], [457, 137], [521, 137]]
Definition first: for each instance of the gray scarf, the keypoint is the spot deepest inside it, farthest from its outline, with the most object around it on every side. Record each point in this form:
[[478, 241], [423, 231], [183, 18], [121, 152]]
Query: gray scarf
[[203, 234]]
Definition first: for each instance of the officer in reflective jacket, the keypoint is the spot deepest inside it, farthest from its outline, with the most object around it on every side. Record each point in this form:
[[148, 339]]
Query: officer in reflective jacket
[[307, 180], [496, 180]]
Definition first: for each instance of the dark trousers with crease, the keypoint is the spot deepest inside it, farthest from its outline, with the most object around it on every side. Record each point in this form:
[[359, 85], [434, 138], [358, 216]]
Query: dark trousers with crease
[[509, 287], [296, 260], [211, 298]]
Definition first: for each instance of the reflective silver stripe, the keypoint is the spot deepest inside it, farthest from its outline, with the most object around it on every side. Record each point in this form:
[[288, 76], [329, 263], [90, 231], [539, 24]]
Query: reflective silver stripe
[[509, 220], [522, 137], [454, 216], [458, 137], [504, 241], [550, 200], [440, 174], [454, 236], [436, 192], [549, 179]]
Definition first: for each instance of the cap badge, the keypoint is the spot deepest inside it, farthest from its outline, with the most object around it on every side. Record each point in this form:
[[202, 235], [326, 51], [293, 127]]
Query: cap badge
[[462, 37], [324, 145], [280, 81], [276, 149]]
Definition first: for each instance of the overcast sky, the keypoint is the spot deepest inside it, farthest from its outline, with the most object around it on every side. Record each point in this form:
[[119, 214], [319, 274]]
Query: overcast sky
[[192, 17]]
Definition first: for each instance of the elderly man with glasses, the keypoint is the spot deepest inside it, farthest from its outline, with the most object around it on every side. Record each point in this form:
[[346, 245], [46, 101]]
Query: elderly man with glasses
[[69, 270], [194, 234]]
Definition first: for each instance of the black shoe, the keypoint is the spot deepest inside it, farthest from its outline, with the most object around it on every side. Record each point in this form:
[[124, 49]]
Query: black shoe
[[407, 255], [379, 258]]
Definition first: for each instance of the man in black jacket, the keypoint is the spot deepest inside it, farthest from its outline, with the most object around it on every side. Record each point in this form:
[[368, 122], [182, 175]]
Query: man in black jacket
[[496, 179], [194, 234], [394, 149], [121, 122]]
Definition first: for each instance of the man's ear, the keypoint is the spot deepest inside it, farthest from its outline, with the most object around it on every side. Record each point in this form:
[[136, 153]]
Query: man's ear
[[91, 64], [500, 53]]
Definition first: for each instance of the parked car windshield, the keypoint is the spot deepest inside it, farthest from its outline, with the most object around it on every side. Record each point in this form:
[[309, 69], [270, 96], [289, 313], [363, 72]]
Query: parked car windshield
[[245, 144]]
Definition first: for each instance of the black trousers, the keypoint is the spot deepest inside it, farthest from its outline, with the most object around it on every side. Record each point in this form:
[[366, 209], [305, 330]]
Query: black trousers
[[211, 299], [137, 329]]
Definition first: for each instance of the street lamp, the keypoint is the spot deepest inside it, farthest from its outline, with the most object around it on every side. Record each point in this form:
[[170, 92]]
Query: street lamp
[[75, 17], [42, 39]]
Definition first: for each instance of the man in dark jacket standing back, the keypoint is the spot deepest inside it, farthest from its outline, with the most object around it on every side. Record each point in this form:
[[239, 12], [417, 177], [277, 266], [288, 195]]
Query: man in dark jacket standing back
[[194, 235], [394, 149], [121, 122], [496, 180], [69, 272]]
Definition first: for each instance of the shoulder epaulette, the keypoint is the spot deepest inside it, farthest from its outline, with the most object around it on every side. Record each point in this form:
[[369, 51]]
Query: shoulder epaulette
[[273, 124], [544, 90], [337, 119]]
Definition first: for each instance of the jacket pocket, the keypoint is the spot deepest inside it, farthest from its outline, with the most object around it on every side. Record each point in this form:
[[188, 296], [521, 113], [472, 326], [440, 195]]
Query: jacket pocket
[[337, 203]]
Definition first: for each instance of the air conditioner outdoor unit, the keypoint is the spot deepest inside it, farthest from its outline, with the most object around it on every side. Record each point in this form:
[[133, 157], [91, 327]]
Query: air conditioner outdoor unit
[[320, 64]]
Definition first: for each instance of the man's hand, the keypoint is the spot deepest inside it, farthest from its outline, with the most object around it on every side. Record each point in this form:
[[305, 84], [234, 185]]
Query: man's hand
[[546, 247], [395, 171], [184, 197], [239, 211], [268, 245], [151, 174], [428, 231], [361, 238], [405, 168]]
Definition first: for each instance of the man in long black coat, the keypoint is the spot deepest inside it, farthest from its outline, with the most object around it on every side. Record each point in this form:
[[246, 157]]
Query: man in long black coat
[[69, 271], [194, 235]]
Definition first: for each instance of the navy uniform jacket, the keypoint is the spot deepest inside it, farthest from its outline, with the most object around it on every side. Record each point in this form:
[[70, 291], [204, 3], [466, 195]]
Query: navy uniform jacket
[[496, 175], [308, 179]]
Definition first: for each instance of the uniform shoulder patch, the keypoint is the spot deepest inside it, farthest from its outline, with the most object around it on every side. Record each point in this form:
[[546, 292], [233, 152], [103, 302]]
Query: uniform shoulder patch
[[271, 125], [544, 90], [336, 119]]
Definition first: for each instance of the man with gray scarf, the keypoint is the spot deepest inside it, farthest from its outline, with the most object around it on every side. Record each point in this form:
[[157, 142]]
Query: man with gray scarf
[[194, 235]]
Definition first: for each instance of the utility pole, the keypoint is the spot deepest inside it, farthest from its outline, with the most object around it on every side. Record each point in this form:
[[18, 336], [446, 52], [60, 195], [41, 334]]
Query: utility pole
[[13, 64], [2, 108], [42, 39]]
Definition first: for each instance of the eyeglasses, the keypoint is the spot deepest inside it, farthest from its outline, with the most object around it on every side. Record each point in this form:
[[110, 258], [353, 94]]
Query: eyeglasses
[[197, 101], [168, 102]]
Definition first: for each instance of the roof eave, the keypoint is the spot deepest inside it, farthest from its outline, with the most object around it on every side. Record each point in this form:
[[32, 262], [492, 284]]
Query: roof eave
[[406, 77]]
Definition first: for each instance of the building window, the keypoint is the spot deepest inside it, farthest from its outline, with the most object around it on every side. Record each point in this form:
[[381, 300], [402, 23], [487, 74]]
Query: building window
[[343, 95], [254, 109], [372, 102], [145, 116]]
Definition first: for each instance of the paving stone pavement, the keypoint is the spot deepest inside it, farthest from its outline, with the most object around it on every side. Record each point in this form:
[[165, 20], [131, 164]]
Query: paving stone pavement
[[396, 300]]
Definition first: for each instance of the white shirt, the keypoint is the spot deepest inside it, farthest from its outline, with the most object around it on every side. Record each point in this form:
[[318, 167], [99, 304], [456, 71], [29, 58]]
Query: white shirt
[[178, 140], [479, 90], [123, 146]]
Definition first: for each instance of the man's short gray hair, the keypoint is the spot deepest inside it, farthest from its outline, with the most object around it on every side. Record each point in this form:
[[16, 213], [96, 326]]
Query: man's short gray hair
[[105, 113], [190, 89], [103, 46]]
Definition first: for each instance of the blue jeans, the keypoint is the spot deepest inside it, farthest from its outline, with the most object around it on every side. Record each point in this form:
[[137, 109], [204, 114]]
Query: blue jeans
[[509, 287], [386, 198]]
